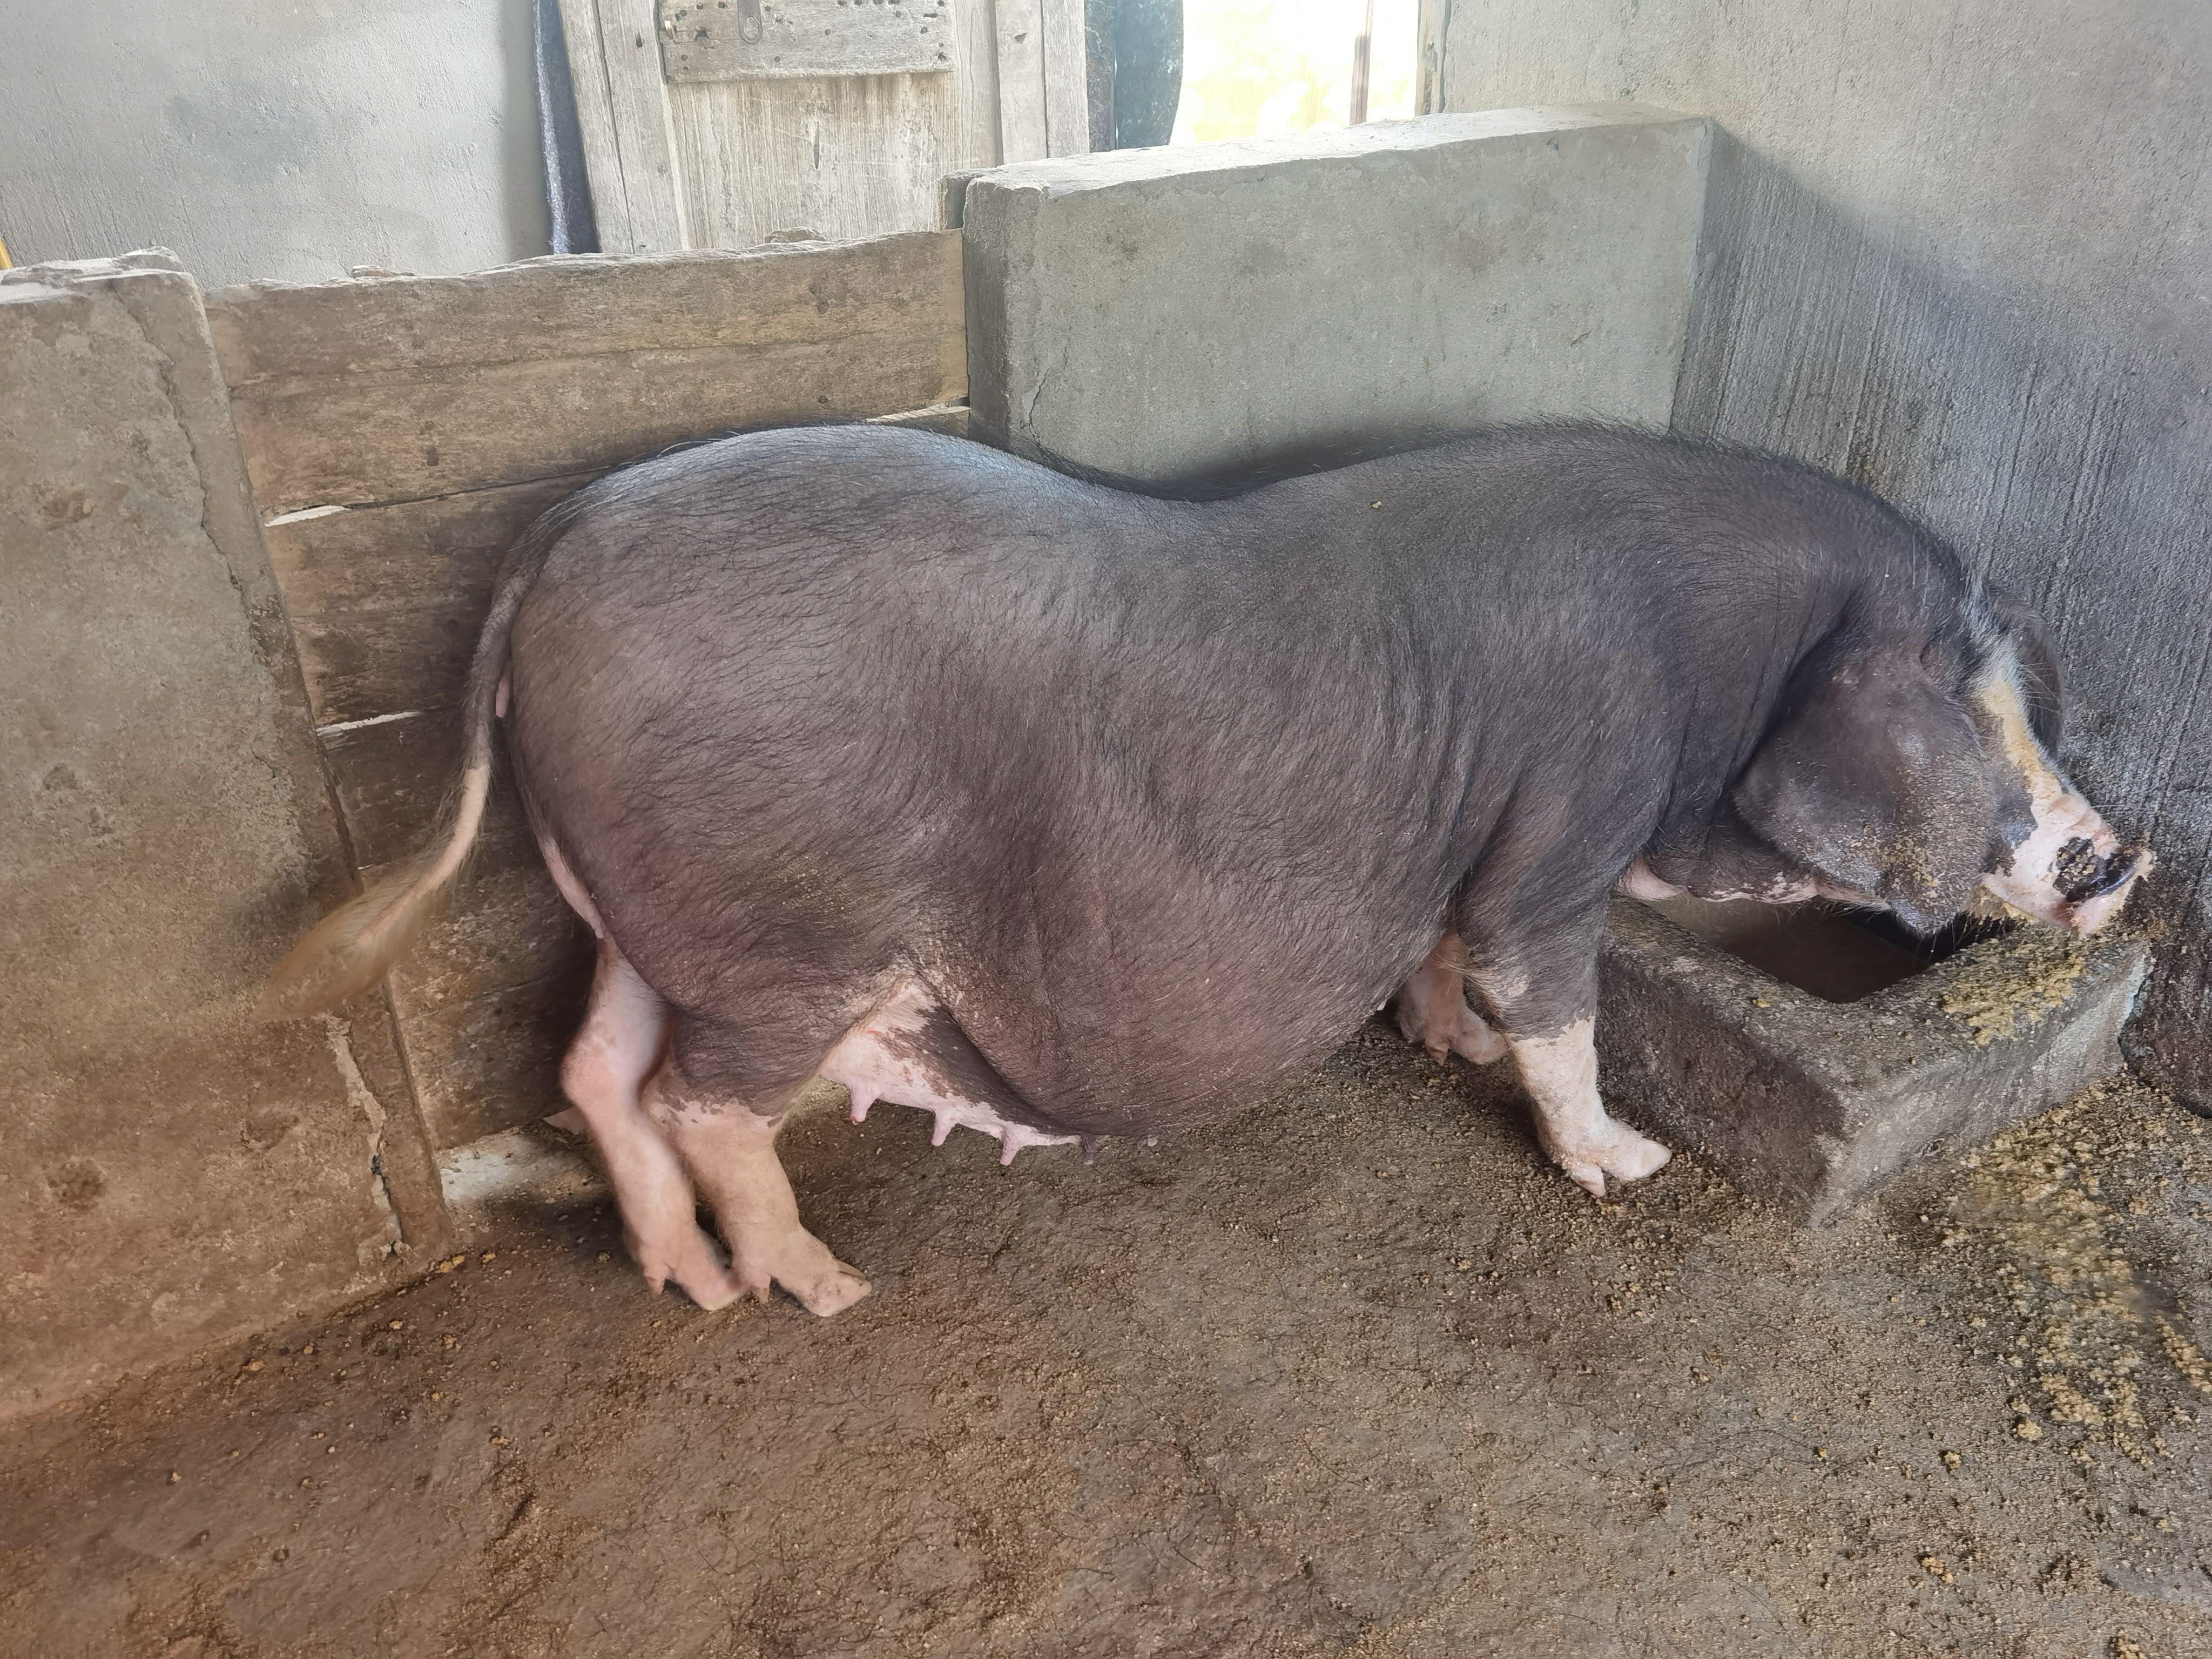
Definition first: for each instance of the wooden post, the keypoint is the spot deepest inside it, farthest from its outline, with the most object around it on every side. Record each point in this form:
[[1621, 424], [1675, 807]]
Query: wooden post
[[1363, 46]]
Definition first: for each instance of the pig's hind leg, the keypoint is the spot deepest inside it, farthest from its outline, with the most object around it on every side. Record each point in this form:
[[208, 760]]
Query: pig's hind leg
[[619, 1047], [722, 1120], [1431, 1008]]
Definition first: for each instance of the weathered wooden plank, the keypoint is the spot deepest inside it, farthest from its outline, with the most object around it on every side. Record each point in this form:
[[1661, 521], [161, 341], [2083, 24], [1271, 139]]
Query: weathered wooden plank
[[386, 601], [1066, 87], [950, 419], [596, 125], [394, 388], [391, 779], [504, 924], [1022, 131], [489, 995], [1432, 23], [621, 109], [472, 428], [975, 83], [492, 1061], [842, 158], [799, 40], [578, 308]]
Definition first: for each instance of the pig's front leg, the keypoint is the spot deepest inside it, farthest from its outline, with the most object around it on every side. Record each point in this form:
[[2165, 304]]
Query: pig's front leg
[[1560, 1074], [1541, 980]]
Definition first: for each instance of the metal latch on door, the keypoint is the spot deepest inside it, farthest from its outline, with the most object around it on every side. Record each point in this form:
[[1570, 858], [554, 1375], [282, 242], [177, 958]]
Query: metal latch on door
[[796, 39]]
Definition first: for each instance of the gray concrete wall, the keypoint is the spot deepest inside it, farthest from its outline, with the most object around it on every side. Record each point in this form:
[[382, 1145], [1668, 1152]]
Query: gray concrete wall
[[171, 1174], [280, 138], [1163, 312], [1963, 253]]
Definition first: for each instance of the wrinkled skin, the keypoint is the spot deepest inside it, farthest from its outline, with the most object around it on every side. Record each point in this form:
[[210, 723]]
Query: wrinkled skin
[[1061, 810]]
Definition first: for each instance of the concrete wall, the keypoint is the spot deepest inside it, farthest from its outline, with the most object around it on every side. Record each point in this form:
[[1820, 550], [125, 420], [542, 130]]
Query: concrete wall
[[1964, 253], [1166, 312], [281, 138], [171, 1174]]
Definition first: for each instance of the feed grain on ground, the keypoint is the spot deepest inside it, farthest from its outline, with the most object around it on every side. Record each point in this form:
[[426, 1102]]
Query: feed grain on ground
[[1235, 1393]]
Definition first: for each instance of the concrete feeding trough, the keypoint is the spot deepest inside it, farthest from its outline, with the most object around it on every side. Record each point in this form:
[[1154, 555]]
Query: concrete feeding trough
[[1812, 1056]]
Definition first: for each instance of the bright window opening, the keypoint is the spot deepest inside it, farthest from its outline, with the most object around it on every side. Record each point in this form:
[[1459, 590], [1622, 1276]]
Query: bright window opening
[[1256, 68]]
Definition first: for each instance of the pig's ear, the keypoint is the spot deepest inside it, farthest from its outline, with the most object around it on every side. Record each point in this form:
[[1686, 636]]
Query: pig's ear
[[2040, 686], [1875, 778]]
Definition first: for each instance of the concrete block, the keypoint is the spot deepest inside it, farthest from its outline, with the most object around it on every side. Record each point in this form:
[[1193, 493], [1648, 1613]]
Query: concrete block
[[174, 1174], [1816, 1104], [1164, 312]]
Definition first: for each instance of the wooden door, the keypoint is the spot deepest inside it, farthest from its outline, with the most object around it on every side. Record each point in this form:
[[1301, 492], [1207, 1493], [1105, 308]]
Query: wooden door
[[710, 124]]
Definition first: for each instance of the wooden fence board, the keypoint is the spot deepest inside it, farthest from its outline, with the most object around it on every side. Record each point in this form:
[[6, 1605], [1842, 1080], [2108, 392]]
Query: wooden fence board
[[1067, 90], [581, 305], [800, 39], [386, 601], [764, 157], [622, 118], [488, 996], [391, 779], [493, 1061], [394, 388], [976, 82], [507, 925], [1022, 129]]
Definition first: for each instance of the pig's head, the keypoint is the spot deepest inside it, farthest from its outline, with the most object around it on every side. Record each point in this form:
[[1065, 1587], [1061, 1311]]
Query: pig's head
[[1918, 776]]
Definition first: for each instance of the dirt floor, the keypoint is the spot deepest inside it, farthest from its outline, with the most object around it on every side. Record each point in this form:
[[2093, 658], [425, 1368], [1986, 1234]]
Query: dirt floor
[[1355, 1374]]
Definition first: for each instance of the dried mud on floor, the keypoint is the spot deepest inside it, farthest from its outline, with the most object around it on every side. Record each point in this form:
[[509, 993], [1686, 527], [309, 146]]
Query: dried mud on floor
[[1355, 1374]]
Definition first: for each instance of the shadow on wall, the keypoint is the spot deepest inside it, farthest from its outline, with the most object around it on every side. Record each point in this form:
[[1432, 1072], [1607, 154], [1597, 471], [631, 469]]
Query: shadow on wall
[[2069, 464]]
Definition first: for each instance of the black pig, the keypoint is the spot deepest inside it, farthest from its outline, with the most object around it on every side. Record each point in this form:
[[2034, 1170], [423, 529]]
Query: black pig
[[1060, 811]]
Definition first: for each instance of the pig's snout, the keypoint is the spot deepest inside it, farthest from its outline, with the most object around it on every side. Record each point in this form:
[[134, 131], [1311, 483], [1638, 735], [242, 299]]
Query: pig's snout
[[2072, 871], [2081, 874], [2095, 893]]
